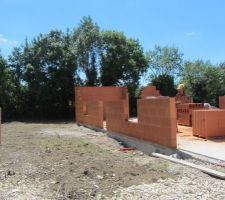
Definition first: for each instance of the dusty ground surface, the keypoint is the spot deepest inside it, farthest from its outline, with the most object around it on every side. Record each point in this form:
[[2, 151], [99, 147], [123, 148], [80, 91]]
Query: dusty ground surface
[[64, 161]]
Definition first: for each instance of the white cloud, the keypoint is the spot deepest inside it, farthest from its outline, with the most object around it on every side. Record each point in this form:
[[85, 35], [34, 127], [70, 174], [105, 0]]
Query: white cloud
[[192, 33], [4, 40]]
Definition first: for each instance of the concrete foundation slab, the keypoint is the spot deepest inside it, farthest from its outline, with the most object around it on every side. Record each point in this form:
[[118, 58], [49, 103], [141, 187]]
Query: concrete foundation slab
[[214, 148]]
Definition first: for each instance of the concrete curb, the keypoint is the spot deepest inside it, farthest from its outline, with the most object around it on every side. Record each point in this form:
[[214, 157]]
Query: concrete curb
[[201, 157], [206, 170], [92, 127], [145, 146]]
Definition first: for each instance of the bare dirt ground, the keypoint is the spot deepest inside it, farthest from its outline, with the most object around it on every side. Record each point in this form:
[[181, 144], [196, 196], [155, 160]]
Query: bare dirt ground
[[64, 161]]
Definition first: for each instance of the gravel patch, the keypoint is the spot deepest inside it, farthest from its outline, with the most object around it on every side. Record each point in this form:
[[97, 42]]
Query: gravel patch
[[64, 161], [190, 185]]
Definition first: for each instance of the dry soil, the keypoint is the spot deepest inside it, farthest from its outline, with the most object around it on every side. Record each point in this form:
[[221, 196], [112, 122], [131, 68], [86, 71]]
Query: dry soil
[[65, 161]]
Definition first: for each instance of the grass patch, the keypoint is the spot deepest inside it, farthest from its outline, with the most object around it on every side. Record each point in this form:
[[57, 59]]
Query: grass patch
[[159, 166], [74, 144]]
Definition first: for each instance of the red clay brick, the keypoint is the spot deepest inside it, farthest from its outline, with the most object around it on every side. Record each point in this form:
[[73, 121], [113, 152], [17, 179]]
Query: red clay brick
[[209, 123], [150, 91], [184, 112], [151, 126], [222, 102], [156, 116], [91, 103]]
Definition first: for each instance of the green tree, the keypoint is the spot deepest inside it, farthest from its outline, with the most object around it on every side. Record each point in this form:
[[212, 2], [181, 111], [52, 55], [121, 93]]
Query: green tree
[[113, 58], [7, 88], [88, 46], [204, 81], [165, 65], [164, 61], [193, 76], [122, 61], [165, 84], [48, 68], [16, 63]]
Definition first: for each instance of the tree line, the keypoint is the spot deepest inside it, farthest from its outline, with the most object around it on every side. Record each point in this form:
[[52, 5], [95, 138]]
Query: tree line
[[37, 80]]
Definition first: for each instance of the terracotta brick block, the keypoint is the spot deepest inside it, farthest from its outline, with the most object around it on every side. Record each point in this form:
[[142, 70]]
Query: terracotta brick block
[[156, 116], [91, 103], [184, 112], [150, 91], [209, 123], [153, 126], [222, 102], [170, 143], [184, 99]]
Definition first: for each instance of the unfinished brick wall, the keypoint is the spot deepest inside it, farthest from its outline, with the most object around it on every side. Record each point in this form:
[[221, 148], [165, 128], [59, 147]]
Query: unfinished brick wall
[[156, 120], [91, 103], [209, 123], [149, 91], [94, 114], [222, 102], [184, 99], [184, 112]]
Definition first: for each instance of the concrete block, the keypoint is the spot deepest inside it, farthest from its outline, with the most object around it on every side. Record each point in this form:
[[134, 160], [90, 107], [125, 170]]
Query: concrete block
[[222, 102]]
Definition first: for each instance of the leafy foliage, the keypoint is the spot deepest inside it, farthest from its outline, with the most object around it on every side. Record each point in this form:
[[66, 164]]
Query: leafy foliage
[[88, 46], [38, 79], [204, 81], [164, 61], [7, 88], [165, 64], [165, 84], [45, 72], [122, 61]]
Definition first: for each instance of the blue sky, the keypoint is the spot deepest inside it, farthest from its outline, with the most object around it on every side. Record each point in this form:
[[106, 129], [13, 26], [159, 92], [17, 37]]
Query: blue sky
[[196, 27]]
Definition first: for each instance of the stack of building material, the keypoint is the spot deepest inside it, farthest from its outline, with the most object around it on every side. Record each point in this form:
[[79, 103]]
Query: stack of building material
[[209, 123], [222, 102], [183, 99], [184, 112]]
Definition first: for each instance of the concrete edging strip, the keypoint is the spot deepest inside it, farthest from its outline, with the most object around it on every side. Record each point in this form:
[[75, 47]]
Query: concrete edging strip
[[142, 145], [212, 172], [202, 157]]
